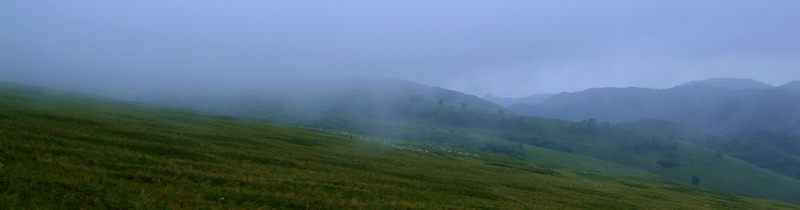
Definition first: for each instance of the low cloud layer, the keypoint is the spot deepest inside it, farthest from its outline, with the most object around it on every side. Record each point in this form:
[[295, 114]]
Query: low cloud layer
[[507, 48]]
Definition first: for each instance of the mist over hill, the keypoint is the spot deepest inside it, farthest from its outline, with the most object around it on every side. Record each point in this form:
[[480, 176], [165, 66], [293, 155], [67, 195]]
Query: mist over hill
[[307, 102]]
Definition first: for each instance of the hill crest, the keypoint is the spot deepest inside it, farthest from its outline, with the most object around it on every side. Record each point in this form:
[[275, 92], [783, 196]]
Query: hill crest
[[729, 83]]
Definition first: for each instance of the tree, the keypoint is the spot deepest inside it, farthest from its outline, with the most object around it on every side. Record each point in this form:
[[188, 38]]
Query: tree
[[695, 180], [463, 105]]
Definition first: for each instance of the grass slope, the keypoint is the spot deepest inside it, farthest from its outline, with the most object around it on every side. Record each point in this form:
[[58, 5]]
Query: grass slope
[[679, 161], [64, 151], [654, 153]]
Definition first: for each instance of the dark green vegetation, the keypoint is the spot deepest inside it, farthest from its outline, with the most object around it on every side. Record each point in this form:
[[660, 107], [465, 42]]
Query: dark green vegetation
[[66, 151], [778, 152], [652, 152]]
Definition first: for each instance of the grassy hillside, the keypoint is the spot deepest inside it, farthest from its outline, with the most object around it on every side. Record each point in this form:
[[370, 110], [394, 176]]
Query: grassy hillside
[[609, 149], [655, 153], [671, 158], [63, 151]]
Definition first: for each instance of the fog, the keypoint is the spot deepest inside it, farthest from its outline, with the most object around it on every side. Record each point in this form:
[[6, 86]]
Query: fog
[[505, 48], [162, 81]]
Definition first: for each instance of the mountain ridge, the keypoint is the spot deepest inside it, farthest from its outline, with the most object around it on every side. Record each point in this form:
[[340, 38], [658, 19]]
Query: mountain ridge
[[508, 101], [714, 108], [793, 85], [730, 83]]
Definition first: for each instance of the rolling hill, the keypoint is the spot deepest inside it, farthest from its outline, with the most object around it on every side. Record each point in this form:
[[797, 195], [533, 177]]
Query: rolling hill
[[69, 151], [607, 149]]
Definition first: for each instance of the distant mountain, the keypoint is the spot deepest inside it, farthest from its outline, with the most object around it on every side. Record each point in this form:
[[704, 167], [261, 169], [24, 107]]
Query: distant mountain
[[508, 101], [714, 108], [730, 83], [793, 85]]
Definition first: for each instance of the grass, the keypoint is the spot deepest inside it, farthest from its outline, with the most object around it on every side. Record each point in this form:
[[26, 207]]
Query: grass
[[679, 164], [68, 151]]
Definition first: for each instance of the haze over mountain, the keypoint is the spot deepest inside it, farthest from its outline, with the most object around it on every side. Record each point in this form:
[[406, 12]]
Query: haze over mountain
[[730, 83], [793, 85], [509, 48], [507, 101], [722, 105], [306, 102]]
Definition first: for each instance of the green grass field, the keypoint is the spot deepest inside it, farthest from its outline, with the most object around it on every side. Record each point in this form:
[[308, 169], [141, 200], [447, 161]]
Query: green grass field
[[67, 151]]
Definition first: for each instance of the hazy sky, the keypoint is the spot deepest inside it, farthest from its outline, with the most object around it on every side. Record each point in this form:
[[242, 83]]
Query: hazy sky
[[506, 48]]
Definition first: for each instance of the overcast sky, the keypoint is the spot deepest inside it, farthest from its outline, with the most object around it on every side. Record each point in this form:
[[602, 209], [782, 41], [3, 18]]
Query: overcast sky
[[506, 48]]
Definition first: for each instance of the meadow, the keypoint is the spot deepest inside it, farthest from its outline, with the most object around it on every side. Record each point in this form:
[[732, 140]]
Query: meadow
[[63, 150]]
